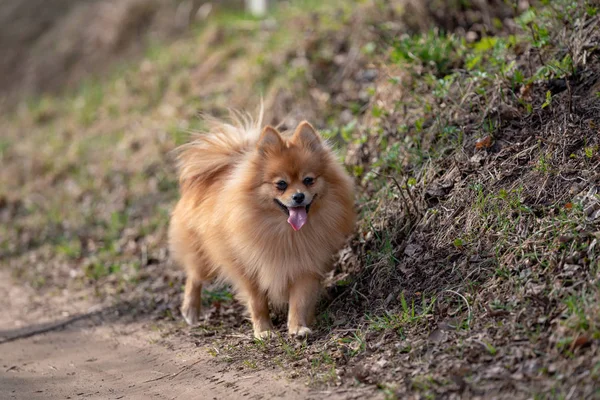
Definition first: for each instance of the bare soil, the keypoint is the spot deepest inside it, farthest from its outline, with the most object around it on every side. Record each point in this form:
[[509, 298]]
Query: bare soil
[[63, 348]]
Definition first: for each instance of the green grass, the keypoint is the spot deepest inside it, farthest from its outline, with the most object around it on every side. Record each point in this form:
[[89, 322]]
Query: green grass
[[70, 248], [354, 343], [409, 315], [425, 385], [89, 101], [218, 295], [432, 51]]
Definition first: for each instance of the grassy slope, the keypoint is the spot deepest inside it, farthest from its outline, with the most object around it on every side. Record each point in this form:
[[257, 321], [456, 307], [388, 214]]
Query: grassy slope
[[474, 267]]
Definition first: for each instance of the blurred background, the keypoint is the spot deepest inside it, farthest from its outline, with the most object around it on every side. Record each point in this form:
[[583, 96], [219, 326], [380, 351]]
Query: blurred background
[[48, 46]]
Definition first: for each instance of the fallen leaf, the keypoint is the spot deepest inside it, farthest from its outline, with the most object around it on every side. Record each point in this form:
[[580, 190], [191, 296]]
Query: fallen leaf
[[477, 158], [360, 373], [581, 341], [565, 238], [508, 113], [496, 313], [412, 249], [526, 91], [449, 324], [569, 206], [437, 336], [484, 143]]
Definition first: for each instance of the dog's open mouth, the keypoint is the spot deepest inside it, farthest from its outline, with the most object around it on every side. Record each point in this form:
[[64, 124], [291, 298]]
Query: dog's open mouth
[[297, 216]]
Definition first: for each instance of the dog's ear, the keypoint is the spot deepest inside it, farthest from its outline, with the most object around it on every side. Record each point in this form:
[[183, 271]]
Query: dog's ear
[[270, 140], [305, 135]]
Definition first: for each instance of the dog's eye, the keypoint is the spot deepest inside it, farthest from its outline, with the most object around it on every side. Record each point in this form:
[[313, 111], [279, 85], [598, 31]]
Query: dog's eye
[[308, 181], [281, 185]]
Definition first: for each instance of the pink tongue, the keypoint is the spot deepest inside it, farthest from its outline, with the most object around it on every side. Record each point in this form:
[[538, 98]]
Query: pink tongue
[[297, 217]]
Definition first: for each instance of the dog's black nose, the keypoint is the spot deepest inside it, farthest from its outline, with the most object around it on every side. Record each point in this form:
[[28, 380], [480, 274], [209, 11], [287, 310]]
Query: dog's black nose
[[298, 198]]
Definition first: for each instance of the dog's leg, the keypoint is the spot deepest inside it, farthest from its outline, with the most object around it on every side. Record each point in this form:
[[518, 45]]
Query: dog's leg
[[258, 306], [192, 299], [303, 299], [186, 250], [198, 271]]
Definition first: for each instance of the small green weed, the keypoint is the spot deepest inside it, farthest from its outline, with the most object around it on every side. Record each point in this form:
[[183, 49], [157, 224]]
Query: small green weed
[[411, 314], [432, 50], [356, 342]]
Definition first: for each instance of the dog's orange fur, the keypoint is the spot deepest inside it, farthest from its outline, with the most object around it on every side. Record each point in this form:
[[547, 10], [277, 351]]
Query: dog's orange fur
[[227, 223]]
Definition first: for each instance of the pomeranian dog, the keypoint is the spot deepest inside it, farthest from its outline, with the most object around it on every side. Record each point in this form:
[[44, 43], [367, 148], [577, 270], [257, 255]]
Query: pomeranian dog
[[263, 210]]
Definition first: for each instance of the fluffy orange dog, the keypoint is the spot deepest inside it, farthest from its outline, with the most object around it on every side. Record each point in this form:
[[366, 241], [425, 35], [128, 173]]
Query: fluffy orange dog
[[263, 210]]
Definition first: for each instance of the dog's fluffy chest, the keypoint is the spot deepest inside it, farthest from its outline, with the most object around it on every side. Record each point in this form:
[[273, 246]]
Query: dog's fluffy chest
[[275, 256]]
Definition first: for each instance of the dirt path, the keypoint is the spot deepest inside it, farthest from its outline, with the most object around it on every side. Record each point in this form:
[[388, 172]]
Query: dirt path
[[92, 357]]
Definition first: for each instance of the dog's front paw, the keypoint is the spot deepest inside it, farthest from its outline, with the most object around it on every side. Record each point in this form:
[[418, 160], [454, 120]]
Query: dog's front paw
[[300, 332], [263, 335], [190, 314]]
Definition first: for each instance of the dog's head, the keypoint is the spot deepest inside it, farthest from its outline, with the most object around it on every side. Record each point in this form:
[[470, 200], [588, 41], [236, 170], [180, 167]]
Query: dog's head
[[293, 171]]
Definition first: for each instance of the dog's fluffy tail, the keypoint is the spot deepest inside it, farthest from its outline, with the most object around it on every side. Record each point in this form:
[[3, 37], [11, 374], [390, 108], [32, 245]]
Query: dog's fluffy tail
[[221, 145]]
